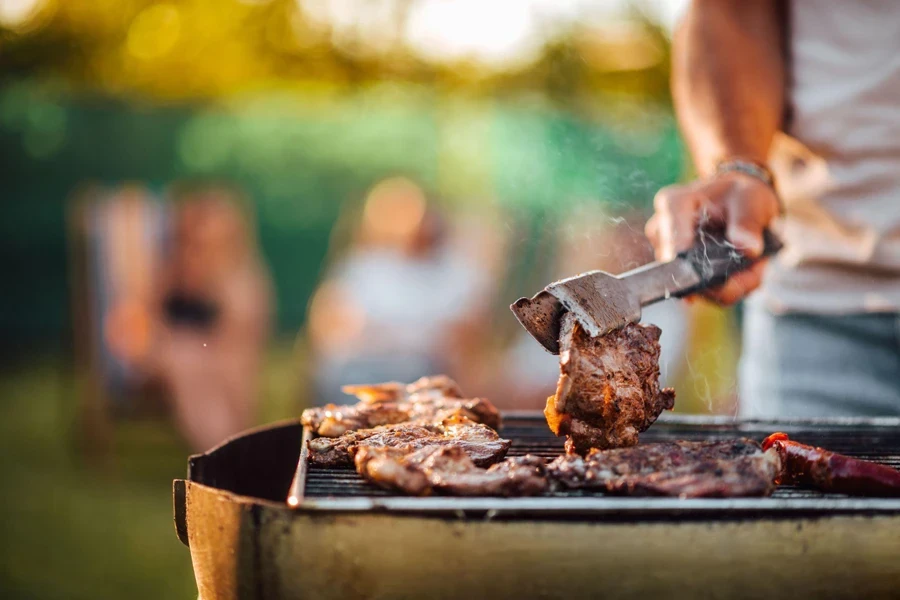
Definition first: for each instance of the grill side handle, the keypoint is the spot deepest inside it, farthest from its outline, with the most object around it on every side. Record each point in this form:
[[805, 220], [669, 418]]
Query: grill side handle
[[179, 500]]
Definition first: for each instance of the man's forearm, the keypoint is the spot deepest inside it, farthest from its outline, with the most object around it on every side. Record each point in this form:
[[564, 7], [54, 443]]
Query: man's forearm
[[728, 79]]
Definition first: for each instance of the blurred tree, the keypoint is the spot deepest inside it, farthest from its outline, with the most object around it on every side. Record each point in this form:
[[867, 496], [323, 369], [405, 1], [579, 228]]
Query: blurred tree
[[200, 49]]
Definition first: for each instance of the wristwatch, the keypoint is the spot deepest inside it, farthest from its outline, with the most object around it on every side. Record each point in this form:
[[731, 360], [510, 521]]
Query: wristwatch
[[754, 169], [747, 167]]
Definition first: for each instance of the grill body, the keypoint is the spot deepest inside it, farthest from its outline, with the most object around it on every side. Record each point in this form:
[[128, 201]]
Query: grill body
[[348, 539]]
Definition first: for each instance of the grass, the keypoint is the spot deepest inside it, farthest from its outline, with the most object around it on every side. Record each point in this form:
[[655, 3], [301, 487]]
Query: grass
[[71, 528]]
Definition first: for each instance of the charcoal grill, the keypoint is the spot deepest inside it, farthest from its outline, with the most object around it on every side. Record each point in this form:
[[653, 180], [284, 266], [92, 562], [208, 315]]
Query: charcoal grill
[[347, 538]]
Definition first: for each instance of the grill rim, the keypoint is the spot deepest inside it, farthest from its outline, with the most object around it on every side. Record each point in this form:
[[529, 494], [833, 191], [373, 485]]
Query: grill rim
[[606, 507]]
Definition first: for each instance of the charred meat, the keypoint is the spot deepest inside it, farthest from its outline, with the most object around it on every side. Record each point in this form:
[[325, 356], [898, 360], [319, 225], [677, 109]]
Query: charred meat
[[608, 390], [449, 470], [428, 400], [685, 469], [479, 442]]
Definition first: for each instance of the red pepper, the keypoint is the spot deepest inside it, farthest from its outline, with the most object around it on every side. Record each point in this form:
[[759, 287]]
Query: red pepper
[[831, 472]]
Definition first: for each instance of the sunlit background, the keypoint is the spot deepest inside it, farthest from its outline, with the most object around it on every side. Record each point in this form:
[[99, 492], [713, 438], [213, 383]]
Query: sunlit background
[[349, 189]]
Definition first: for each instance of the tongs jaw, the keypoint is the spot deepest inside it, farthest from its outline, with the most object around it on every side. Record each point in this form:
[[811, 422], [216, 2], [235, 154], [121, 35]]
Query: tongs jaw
[[601, 302]]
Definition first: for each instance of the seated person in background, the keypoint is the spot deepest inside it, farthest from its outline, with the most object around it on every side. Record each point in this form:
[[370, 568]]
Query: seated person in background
[[408, 298], [214, 319], [209, 319]]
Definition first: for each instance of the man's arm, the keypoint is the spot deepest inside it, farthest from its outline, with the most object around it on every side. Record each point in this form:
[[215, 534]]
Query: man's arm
[[728, 86], [728, 79]]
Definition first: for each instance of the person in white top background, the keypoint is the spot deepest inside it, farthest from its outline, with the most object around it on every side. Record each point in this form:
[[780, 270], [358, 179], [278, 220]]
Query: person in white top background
[[791, 111], [408, 296]]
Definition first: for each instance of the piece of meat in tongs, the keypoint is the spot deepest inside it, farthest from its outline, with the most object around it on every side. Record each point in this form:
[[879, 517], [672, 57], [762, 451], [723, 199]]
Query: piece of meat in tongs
[[828, 471], [608, 390], [684, 469], [430, 399], [449, 470]]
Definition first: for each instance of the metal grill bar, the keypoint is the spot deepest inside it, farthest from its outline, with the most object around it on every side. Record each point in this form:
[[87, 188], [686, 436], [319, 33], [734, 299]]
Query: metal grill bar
[[298, 485], [343, 489]]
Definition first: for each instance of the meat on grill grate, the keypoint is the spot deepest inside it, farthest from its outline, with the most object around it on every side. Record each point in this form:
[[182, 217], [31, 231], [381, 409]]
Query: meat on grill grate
[[439, 449], [608, 390], [686, 469], [479, 442], [429, 400], [449, 470]]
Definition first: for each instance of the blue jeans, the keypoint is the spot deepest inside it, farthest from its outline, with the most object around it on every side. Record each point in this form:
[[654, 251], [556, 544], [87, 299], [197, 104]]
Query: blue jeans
[[801, 365]]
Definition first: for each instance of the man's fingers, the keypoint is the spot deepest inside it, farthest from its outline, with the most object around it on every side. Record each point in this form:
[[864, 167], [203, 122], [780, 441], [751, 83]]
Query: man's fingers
[[744, 230], [676, 220], [738, 285], [747, 216]]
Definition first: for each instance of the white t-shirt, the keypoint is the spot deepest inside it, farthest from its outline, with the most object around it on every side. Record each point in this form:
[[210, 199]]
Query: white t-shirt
[[838, 166], [414, 299]]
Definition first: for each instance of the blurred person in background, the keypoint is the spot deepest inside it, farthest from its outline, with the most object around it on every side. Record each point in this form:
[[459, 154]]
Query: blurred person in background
[[811, 92], [410, 296], [208, 322], [125, 228]]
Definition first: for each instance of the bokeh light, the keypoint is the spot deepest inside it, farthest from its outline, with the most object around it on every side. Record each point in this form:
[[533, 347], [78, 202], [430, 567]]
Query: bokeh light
[[154, 31], [17, 13]]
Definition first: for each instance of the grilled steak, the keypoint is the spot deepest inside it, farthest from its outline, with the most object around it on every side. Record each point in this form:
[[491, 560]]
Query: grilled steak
[[449, 470], [479, 442], [608, 390], [429, 400], [684, 469]]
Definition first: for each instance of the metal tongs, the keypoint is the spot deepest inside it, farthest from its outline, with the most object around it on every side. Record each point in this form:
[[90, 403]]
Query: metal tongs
[[603, 303]]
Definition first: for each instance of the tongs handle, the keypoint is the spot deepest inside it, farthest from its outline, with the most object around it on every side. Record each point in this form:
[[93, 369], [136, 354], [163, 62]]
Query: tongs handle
[[715, 259]]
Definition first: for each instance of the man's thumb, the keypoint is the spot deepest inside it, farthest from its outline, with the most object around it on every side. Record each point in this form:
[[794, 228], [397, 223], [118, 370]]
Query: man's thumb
[[747, 241]]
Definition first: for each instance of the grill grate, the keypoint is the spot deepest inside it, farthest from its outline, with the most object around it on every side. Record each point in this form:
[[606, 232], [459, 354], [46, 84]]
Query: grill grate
[[339, 487]]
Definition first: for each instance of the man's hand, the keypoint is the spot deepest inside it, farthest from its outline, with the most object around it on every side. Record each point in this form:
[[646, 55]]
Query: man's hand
[[743, 204], [728, 88]]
